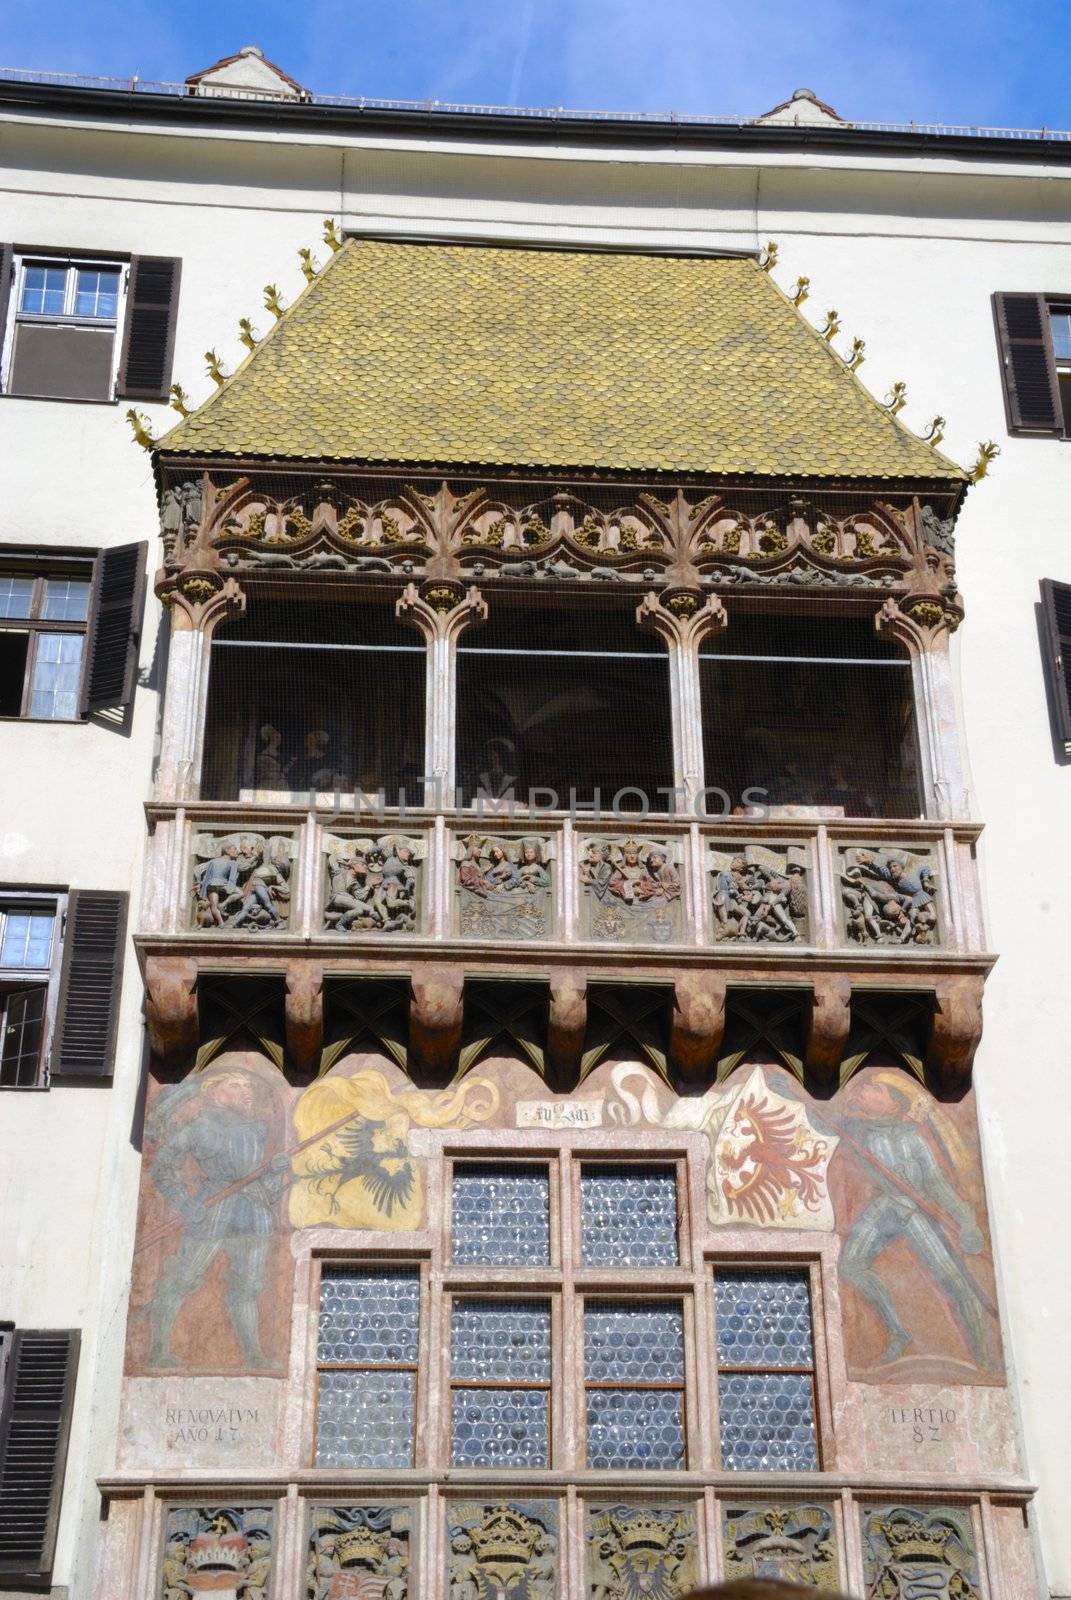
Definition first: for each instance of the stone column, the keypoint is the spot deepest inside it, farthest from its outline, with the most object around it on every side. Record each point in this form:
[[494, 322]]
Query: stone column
[[442, 610], [682, 618], [925, 624], [197, 601]]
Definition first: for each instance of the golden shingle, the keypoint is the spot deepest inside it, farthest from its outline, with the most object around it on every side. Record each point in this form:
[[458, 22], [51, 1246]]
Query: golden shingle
[[509, 357]]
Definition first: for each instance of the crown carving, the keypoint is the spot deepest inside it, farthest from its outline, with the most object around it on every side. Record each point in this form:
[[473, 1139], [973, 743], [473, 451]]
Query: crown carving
[[505, 1535], [642, 1532], [359, 1545], [913, 1541], [218, 1552]]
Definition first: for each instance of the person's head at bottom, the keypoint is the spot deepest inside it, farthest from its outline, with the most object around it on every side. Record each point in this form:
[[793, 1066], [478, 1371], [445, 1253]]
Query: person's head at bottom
[[756, 1589]]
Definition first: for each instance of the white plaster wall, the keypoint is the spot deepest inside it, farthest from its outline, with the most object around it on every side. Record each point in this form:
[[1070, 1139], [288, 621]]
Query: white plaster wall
[[909, 251]]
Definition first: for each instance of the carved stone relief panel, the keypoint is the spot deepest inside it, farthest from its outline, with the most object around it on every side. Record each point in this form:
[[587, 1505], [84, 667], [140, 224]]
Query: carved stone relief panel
[[358, 1550], [759, 893], [913, 1551], [888, 894], [641, 1550], [630, 890], [503, 887], [373, 885], [241, 881], [225, 1551], [495, 1550], [796, 1543]]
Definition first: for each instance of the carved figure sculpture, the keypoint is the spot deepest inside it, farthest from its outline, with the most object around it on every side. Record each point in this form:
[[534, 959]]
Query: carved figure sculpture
[[224, 1551], [372, 884], [504, 888], [634, 1551], [631, 890], [889, 896], [760, 894], [795, 1543], [358, 1553], [908, 1552], [241, 880], [508, 1549]]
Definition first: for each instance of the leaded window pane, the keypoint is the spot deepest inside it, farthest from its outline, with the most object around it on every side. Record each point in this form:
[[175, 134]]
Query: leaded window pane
[[501, 1339], [501, 1215], [764, 1319], [16, 597], [27, 939], [641, 1343], [369, 1317], [66, 600], [629, 1217], [633, 1428], [500, 1427], [767, 1421], [57, 672], [365, 1419]]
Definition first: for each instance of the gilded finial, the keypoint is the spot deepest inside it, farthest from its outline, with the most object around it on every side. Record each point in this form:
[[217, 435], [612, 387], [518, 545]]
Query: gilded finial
[[832, 327], [800, 291], [768, 257], [935, 432], [896, 399], [178, 399], [141, 425], [987, 452], [271, 300], [855, 354], [309, 265], [215, 371], [246, 334], [331, 238]]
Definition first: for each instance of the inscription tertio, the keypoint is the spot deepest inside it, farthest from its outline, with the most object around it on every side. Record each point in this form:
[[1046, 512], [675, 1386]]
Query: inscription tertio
[[921, 1424]]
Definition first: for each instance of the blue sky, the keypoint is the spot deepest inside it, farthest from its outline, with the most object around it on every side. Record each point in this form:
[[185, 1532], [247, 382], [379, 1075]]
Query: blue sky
[[975, 61]]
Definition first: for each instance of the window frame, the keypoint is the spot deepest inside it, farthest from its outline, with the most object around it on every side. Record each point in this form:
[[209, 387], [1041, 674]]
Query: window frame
[[19, 979], [44, 569], [71, 260], [567, 1285]]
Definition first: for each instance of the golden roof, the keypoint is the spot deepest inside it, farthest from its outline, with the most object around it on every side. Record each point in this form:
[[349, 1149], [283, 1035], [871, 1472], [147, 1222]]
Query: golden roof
[[500, 356]]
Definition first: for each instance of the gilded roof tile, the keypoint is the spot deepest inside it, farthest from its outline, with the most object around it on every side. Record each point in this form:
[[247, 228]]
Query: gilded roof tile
[[498, 356]]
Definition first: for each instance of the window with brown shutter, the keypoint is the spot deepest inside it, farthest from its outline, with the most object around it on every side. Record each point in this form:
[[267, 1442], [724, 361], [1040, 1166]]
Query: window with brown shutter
[[1056, 611], [115, 628], [35, 1421], [149, 337], [88, 1010], [1033, 388]]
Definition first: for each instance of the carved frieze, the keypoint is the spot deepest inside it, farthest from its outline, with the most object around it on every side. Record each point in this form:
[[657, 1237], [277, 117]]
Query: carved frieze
[[358, 1551], [241, 881], [499, 1550], [888, 895], [372, 885], [908, 1552], [631, 890], [503, 887], [795, 1543], [641, 1550], [224, 1551], [759, 894]]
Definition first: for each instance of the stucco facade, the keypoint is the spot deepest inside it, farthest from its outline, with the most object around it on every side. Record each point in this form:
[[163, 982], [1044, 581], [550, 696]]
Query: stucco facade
[[909, 243]]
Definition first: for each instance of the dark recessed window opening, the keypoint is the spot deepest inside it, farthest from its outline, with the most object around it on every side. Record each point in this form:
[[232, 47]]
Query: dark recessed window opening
[[809, 712], [564, 701], [315, 697]]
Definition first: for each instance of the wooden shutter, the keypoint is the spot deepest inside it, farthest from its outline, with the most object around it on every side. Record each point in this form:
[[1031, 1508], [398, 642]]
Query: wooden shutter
[[149, 334], [1031, 387], [34, 1427], [1056, 608], [90, 983], [114, 630], [7, 263]]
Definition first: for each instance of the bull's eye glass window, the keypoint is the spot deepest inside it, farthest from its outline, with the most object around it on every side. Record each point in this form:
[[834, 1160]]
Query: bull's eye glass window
[[500, 1359], [565, 1320], [367, 1356], [42, 642], [629, 1217], [501, 1215], [634, 1377], [766, 1378]]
